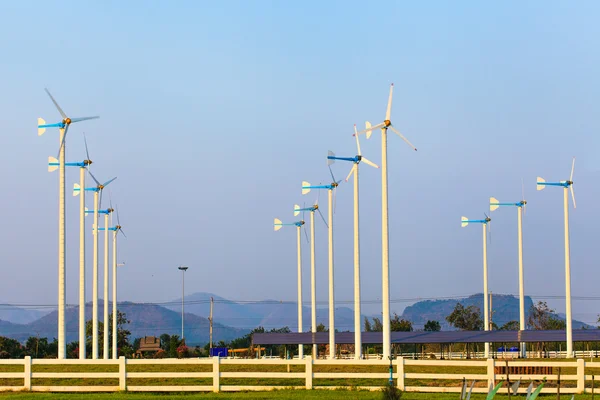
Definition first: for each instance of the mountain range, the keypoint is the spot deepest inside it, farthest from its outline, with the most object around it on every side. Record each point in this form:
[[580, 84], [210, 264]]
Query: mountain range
[[234, 319]]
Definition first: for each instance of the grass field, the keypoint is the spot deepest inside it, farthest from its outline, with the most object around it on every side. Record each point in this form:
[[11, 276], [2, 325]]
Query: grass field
[[278, 394]]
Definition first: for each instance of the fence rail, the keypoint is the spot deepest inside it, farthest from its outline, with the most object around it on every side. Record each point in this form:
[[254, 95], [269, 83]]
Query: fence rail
[[407, 374]]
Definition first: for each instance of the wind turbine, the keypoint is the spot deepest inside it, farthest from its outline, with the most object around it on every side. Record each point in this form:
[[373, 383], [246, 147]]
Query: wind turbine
[[385, 241], [357, 321], [484, 223], [97, 194], [53, 165], [566, 185], [306, 188], [494, 204], [63, 127], [115, 229], [313, 284], [277, 225]]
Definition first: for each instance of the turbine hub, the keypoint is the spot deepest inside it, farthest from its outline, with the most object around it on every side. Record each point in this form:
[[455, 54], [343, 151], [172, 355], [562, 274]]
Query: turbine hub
[[523, 202], [569, 182], [67, 121], [316, 207], [358, 157], [87, 162], [387, 122], [487, 219], [334, 184]]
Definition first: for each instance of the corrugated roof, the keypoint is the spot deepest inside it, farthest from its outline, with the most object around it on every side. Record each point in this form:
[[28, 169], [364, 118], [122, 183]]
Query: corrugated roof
[[579, 335]]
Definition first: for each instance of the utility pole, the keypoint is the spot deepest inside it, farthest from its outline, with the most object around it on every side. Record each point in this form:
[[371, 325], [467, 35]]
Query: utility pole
[[491, 312], [182, 269], [210, 320]]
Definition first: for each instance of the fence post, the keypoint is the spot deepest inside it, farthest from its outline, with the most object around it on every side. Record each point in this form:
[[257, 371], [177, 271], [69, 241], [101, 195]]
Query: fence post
[[400, 372], [122, 373], [216, 374], [309, 372], [27, 373], [580, 375], [491, 371]]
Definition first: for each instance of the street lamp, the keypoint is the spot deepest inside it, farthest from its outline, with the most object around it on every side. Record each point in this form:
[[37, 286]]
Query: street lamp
[[182, 269]]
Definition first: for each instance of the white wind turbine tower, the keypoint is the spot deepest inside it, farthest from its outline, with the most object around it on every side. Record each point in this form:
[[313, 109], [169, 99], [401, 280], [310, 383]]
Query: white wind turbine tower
[[494, 204], [313, 280], [106, 269], [385, 267], [566, 185], [357, 321], [486, 316], [306, 187], [277, 224], [97, 194], [63, 127], [115, 229], [53, 165]]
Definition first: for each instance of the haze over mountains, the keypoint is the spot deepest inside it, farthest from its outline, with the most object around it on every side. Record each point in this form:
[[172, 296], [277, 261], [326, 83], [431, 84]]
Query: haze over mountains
[[234, 319]]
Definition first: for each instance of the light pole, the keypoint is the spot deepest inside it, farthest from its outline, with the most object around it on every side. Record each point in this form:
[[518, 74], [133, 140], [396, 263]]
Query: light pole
[[182, 269]]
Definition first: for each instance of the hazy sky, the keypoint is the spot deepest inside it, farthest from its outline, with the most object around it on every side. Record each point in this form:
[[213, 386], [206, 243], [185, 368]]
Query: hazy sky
[[213, 113]]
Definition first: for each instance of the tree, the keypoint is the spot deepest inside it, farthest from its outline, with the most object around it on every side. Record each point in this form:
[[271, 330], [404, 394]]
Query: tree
[[510, 326], [123, 346], [542, 317], [368, 327], [398, 324], [89, 327], [432, 326], [322, 328], [11, 347], [466, 319]]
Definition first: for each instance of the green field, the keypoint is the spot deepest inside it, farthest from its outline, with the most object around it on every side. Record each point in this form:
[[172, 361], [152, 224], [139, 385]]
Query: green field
[[278, 394]]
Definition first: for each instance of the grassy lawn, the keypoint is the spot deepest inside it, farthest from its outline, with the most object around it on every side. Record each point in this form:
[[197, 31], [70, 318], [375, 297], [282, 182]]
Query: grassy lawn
[[278, 394]]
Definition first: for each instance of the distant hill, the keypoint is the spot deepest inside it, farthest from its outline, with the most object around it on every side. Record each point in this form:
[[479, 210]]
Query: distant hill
[[146, 320], [19, 315], [266, 313], [505, 308]]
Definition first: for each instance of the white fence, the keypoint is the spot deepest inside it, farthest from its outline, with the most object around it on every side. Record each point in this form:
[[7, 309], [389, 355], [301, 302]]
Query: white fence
[[403, 378]]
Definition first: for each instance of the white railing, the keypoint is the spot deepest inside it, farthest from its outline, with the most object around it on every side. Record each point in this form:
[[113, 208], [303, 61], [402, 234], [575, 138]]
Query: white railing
[[447, 382]]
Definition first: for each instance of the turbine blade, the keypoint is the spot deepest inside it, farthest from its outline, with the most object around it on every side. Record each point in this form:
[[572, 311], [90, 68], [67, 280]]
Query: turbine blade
[[331, 172], [109, 181], [76, 189], [357, 142], [322, 217], [305, 233], [118, 219], [110, 198], [572, 169], [388, 112], [369, 129], [94, 178], [62, 113], [100, 201], [276, 224], [296, 208], [573, 195], [62, 143], [87, 153], [351, 172], [369, 162], [124, 235], [334, 199], [403, 138], [464, 221], [84, 118]]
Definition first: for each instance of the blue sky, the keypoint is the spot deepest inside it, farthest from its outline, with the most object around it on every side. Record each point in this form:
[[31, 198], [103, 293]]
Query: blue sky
[[212, 113]]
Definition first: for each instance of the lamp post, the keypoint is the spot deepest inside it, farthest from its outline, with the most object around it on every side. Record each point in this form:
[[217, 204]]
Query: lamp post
[[182, 269]]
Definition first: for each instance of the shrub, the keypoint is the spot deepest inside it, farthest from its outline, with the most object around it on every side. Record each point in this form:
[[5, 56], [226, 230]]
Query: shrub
[[391, 392]]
